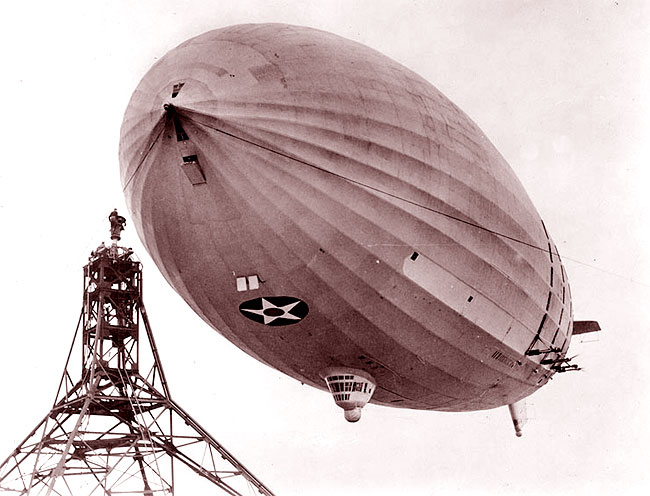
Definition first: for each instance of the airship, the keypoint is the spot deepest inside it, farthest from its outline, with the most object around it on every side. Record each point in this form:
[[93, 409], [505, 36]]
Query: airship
[[335, 216]]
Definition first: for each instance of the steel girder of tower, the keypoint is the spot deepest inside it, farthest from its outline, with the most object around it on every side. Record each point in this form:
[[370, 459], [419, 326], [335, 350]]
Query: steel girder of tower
[[115, 429]]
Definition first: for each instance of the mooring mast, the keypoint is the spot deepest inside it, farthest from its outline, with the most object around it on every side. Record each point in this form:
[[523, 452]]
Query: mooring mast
[[115, 429]]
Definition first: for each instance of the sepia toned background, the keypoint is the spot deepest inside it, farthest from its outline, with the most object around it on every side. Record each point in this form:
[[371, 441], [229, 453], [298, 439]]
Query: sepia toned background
[[561, 89]]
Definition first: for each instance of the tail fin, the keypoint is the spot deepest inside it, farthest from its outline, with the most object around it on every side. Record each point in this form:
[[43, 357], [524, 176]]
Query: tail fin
[[585, 326]]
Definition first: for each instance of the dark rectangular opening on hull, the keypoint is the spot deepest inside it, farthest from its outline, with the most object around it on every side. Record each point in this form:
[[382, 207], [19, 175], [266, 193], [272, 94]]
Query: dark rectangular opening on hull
[[470, 298], [176, 89], [181, 135], [415, 255], [551, 276], [190, 158]]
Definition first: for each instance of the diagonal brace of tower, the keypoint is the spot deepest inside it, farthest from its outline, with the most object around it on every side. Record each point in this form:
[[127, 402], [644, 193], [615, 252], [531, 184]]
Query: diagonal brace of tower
[[114, 428]]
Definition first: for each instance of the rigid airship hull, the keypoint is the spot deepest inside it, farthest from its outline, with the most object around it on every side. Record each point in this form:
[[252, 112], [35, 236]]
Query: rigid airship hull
[[322, 206]]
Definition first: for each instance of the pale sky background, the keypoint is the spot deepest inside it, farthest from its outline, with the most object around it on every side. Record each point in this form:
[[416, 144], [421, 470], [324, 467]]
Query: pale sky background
[[562, 88]]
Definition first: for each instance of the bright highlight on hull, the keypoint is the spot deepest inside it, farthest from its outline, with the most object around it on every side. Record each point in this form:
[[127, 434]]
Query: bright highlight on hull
[[322, 206]]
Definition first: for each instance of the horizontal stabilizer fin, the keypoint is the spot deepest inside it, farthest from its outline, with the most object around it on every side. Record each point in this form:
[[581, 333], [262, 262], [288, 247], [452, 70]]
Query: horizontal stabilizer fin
[[585, 326]]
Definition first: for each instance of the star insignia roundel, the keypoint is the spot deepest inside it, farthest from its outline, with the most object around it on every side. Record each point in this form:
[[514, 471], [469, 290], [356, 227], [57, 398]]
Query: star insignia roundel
[[275, 310]]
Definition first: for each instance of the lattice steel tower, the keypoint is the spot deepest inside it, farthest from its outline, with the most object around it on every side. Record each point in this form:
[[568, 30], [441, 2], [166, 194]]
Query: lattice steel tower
[[114, 428]]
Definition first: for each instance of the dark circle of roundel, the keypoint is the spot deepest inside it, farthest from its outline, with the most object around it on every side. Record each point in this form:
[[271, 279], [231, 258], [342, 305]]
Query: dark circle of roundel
[[275, 310]]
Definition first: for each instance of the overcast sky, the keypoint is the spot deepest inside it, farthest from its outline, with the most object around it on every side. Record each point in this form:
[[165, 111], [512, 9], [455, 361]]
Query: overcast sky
[[560, 87]]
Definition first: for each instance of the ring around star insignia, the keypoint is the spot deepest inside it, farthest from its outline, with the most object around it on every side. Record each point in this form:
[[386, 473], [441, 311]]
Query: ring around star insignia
[[275, 310]]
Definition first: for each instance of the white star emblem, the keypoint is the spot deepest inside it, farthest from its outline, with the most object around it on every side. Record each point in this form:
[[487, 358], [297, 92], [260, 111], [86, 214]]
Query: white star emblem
[[271, 312]]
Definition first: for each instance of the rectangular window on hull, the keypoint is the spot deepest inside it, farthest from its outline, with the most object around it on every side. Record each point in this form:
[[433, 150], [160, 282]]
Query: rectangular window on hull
[[253, 282], [248, 283]]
